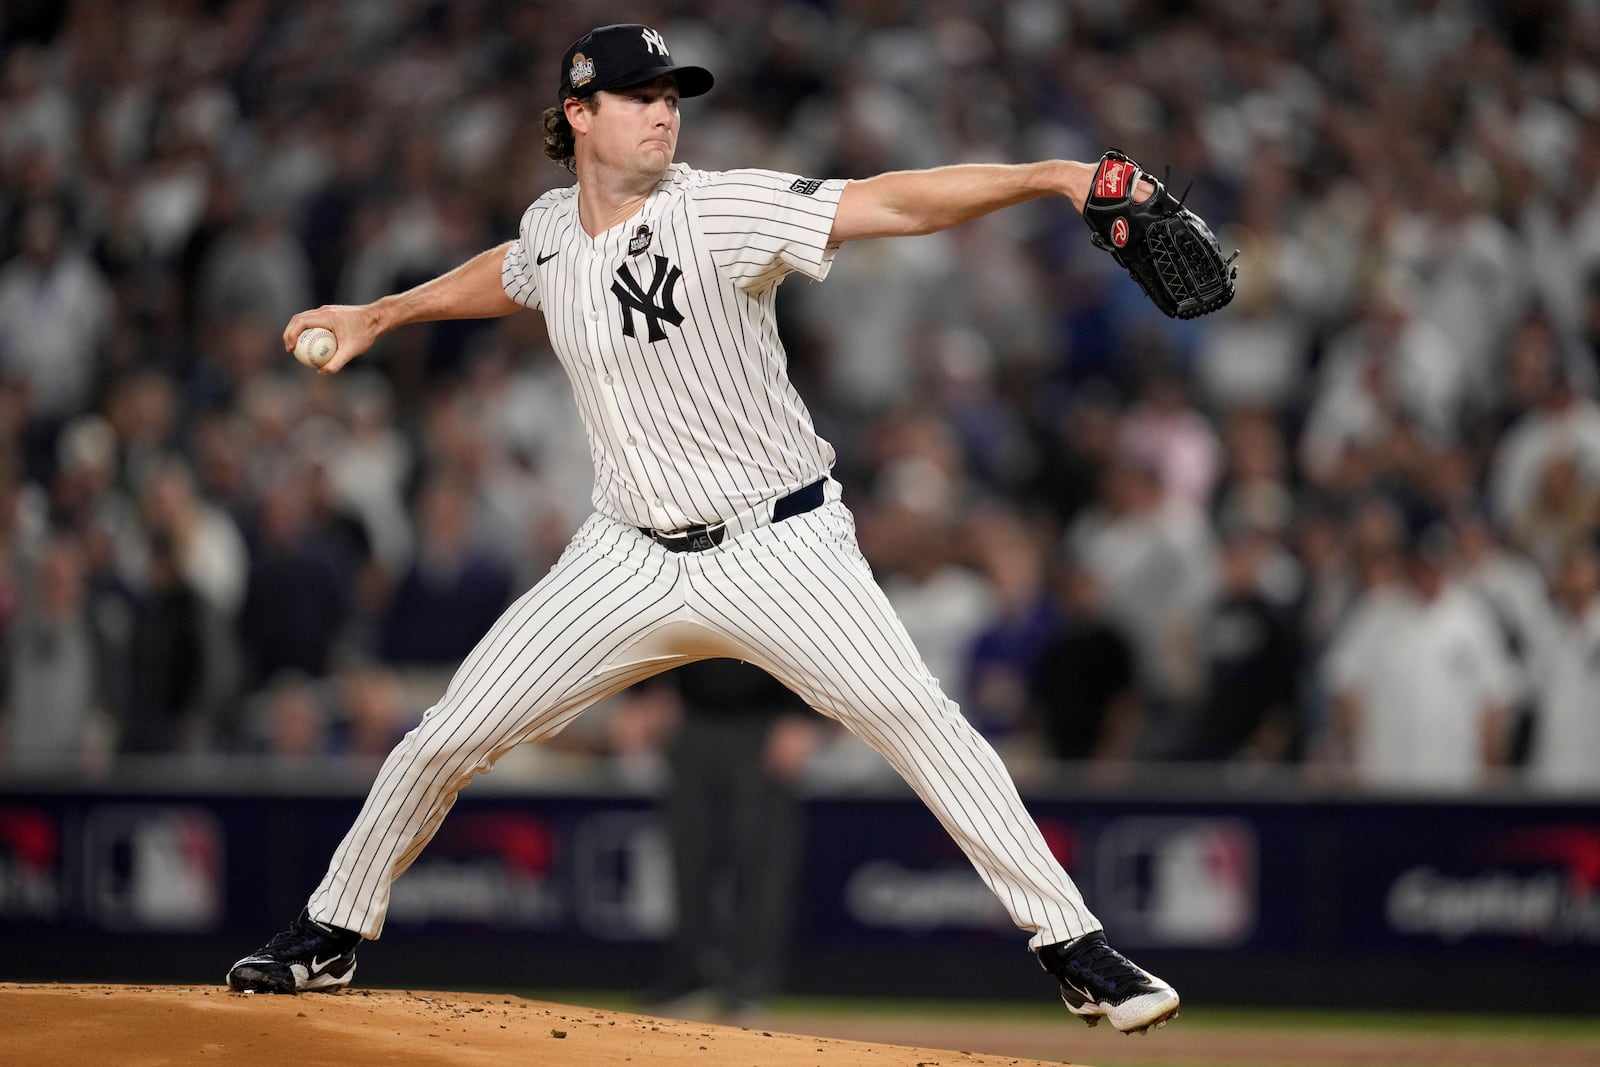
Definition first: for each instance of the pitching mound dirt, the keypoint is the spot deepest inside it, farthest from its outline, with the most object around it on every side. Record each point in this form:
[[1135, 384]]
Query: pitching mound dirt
[[150, 1026]]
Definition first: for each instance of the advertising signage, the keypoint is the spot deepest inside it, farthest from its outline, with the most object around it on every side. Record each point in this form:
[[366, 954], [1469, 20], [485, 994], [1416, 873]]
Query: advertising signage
[[1317, 886]]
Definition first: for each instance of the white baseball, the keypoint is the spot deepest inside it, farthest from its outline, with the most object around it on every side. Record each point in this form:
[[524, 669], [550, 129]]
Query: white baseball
[[315, 346]]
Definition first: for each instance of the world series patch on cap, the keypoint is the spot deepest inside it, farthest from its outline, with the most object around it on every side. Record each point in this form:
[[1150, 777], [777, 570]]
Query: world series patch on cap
[[615, 57]]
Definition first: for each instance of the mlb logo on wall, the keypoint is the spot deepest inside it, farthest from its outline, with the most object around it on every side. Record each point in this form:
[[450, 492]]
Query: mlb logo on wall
[[153, 868], [1184, 883], [622, 876]]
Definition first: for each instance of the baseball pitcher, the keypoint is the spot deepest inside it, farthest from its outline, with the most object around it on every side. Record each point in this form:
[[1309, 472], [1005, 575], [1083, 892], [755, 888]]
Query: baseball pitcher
[[717, 529]]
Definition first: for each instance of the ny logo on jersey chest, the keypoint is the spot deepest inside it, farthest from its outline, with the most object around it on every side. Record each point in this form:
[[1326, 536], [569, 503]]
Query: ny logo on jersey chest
[[654, 303]]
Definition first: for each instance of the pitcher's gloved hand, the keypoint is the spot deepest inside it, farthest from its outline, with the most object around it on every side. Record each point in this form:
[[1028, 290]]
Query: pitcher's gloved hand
[[1169, 250]]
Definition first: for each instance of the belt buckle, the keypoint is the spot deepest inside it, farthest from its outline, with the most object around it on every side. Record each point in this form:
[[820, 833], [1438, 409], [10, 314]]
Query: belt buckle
[[701, 538], [696, 538]]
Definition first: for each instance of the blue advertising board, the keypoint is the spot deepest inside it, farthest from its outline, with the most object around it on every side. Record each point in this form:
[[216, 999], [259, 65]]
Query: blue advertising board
[[1436, 880], [1307, 892]]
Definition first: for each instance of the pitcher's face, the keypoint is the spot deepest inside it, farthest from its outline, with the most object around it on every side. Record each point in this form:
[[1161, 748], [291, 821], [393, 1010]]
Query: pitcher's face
[[633, 130]]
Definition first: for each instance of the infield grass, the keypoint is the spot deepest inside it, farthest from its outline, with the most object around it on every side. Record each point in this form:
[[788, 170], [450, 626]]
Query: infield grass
[[1206, 1036], [1578, 1028], [1199, 1015]]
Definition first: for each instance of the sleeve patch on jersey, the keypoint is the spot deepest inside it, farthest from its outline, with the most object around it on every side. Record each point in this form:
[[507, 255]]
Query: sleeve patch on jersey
[[806, 186]]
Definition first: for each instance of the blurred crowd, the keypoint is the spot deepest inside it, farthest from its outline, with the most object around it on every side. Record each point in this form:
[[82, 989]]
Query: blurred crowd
[[1348, 526]]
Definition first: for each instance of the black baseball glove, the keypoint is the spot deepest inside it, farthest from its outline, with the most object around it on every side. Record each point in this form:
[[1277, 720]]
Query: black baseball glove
[[1168, 249]]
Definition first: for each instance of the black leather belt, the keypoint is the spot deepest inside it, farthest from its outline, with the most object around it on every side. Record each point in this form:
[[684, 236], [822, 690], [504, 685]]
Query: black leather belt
[[702, 536]]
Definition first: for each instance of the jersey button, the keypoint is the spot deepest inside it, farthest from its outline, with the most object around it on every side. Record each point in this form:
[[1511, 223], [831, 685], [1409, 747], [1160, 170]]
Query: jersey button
[[593, 315], [606, 379], [632, 440]]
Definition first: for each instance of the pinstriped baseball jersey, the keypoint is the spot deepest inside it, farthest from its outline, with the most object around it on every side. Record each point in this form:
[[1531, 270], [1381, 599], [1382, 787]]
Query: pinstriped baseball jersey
[[665, 325]]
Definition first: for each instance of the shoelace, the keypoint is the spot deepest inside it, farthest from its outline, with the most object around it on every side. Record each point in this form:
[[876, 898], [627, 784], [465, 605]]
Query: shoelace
[[303, 936], [1102, 964]]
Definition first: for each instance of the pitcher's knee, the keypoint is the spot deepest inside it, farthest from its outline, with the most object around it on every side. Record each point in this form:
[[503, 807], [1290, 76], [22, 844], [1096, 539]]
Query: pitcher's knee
[[431, 747], [913, 713]]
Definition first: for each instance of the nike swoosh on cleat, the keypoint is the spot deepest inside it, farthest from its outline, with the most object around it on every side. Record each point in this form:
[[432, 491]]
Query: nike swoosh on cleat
[[1088, 997], [318, 966]]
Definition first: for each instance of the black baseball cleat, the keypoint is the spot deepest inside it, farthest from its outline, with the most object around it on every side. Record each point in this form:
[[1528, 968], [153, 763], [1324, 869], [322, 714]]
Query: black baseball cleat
[[306, 957], [1097, 980]]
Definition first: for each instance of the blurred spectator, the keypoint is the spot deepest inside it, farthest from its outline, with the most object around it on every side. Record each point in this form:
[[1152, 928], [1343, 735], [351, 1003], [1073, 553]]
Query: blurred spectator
[[289, 720], [141, 405], [961, 374], [1515, 590], [231, 356], [1560, 512], [1156, 562], [1471, 279], [55, 718], [298, 596], [1251, 661], [1419, 677], [170, 194], [1563, 429], [531, 463], [1331, 577], [1163, 429], [1253, 489], [453, 591], [370, 469], [913, 545], [374, 712], [872, 314], [1590, 321], [1390, 364], [1558, 221], [87, 496], [210, 288], [335, 526], [332, 207], [1080, 444], [20, 520], [1083, 692], [211, 553], [39, 112], [1530, 363], [1005, 653], [221, 443], [171, 666], [342, 537], [1565, 754], [55, 316], [1256, 355], [258, 268]]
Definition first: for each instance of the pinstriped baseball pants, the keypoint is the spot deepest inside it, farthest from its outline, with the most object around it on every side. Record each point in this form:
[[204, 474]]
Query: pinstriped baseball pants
[[795, 598]]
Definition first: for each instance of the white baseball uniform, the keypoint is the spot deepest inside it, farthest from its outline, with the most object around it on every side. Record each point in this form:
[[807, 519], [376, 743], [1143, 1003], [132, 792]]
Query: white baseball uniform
[[665, 324]]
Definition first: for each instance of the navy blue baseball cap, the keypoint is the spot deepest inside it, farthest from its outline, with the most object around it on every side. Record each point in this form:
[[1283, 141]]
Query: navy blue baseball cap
[[615, 57]]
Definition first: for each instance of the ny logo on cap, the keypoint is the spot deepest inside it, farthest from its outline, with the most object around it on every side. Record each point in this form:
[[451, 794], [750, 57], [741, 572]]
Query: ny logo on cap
[[654, 42]]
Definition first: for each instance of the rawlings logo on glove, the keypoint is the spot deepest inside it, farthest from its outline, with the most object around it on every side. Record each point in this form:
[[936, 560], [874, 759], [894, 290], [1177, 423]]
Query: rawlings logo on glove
[[1168, 249]]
